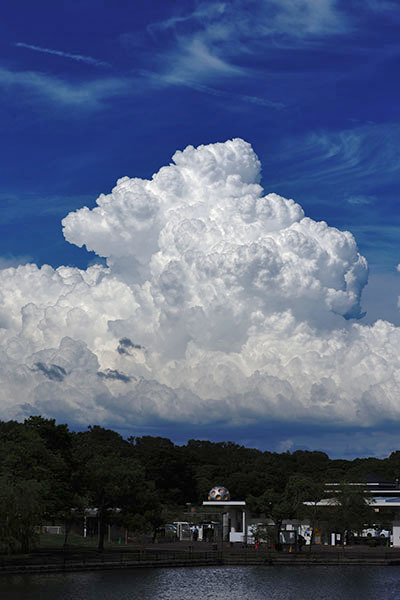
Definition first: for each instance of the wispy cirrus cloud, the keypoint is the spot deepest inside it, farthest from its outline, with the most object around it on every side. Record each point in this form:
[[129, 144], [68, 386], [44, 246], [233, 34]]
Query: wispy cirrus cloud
[[355, 155], [236, 19], [226, 41], [205, 11], [89, 60], [194, 59], [158, 80], [301, 18], [361, 200], [87, 95]]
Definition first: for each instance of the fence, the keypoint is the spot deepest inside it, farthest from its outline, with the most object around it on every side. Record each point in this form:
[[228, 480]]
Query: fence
[[66, 561], [154, 557]]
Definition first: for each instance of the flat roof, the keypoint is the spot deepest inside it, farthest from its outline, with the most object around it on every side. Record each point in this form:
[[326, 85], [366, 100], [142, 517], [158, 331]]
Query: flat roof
[[375, 502], [224, 503], [374, 492]]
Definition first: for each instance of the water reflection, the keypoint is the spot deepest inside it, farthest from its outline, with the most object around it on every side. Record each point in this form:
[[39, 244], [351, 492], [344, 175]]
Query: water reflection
[[216, 583]]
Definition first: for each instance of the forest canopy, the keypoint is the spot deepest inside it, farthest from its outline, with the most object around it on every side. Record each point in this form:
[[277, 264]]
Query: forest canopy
[[48, 472]]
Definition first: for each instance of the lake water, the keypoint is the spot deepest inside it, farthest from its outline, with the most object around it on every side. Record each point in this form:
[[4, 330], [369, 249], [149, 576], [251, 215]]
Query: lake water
[[210, 583]]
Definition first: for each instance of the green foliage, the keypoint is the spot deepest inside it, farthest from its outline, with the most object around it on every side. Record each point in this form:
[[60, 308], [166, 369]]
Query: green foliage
[[350, 510], [50, 473], [286, 502], [33, 479], [263, 533], [166, 465], [21, 512], [112, 479]]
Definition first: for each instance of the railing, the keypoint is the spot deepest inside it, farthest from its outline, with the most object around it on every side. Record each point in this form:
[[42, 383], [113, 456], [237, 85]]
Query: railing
[[322, 555], [77, 561], [70, 560]]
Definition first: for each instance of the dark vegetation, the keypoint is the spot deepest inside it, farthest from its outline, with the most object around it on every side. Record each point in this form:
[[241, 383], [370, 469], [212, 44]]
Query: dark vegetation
[[49, 474]]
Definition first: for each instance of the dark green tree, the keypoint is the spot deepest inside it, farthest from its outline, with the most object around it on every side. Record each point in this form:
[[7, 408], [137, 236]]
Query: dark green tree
[[110, 477], [27, 469], [21, 512], [278, 504], [165, 466], [64, 500], [350, 510]]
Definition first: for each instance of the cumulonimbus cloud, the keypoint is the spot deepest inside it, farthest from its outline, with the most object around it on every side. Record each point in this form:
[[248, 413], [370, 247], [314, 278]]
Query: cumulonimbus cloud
[[218, 303]]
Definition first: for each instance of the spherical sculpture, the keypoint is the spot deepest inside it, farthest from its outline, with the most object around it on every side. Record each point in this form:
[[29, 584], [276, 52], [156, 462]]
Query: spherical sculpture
[[219, 493]]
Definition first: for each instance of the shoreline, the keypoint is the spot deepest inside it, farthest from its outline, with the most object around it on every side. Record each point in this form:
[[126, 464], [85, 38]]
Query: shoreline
[[66, 562]]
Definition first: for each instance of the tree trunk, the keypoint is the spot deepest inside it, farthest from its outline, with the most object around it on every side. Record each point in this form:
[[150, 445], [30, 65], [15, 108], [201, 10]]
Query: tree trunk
[[25, 542], [313, 521], [278, 545], [102, 531], [67, 529]]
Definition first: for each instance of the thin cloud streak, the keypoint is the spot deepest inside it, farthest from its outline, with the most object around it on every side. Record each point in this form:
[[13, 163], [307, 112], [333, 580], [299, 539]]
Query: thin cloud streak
[[356, 154], [203, 13], [209, 43], [88, 95], [298, 18], [77, 57], [166, 80]]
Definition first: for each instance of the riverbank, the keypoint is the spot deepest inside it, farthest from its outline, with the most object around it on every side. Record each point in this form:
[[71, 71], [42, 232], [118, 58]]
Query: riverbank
[[191, 554]]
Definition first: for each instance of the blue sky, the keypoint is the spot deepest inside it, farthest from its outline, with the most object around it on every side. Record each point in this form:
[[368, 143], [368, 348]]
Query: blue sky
[[92, 91]]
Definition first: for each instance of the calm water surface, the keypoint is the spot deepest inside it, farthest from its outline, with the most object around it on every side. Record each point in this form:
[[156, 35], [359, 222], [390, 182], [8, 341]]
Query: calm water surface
[[216, 583]]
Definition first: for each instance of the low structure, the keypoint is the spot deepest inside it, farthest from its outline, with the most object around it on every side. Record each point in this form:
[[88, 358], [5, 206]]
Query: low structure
[[381, 494], [234, 519], [237, 522]]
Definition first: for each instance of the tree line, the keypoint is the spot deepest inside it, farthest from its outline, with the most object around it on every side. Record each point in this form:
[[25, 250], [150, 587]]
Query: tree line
[[49, 473]]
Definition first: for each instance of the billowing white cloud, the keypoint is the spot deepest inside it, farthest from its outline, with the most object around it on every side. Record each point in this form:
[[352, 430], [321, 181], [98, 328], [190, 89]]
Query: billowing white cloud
[[217, 304]]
